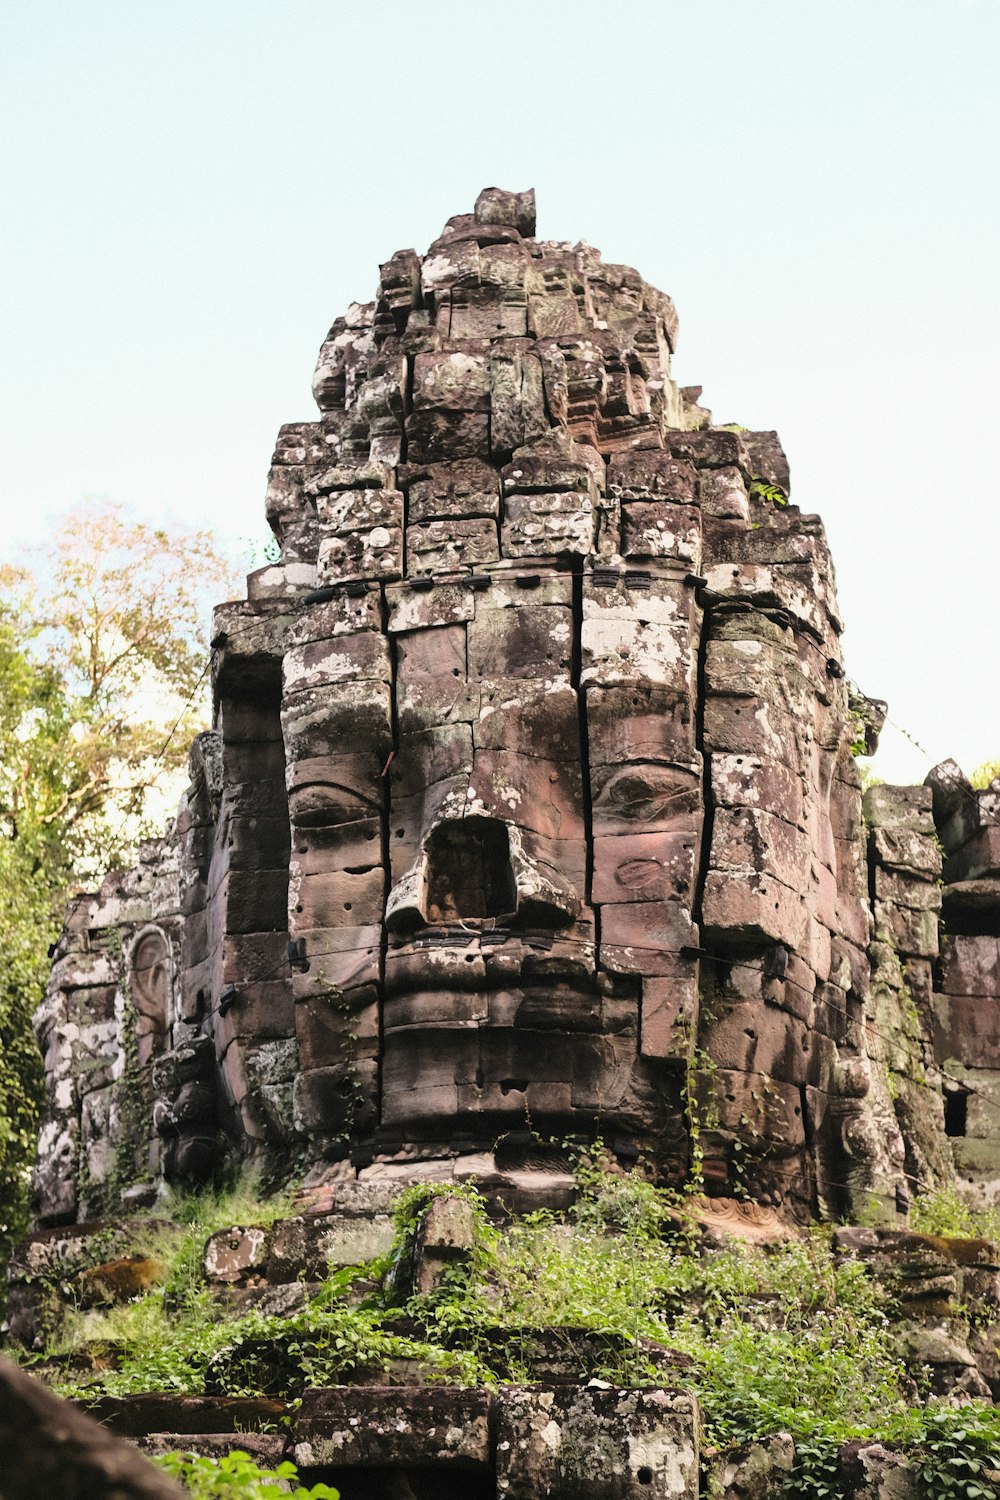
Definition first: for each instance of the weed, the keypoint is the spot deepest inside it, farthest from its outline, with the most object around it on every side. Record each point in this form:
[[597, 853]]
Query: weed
[[235, 1476]]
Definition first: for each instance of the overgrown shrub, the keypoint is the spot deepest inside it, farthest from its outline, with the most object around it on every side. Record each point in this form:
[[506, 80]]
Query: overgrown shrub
[[236, 1476]]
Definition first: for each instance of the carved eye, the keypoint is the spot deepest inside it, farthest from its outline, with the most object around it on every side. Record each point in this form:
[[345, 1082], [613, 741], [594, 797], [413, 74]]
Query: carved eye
[[321, 805], [652, 792]]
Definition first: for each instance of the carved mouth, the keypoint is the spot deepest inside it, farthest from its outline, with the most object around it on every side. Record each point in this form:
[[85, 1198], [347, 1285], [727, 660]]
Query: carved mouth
[[468, 959]]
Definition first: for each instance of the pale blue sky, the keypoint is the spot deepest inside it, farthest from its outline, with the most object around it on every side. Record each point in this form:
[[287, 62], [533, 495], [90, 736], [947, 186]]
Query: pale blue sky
[[193, 191]]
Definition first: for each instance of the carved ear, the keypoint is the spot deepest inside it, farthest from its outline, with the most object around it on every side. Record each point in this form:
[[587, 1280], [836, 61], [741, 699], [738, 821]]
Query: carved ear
[[151, 977], [150, 990]]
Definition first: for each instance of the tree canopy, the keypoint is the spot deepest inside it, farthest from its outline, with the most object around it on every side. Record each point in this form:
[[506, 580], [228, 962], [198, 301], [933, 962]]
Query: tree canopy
[[103, 669]]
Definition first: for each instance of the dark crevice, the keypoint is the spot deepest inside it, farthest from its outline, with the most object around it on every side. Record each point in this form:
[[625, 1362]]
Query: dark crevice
[[407, 408], [386, 809], [576, 667], [707, 795], [956, 1112], [708, 817]]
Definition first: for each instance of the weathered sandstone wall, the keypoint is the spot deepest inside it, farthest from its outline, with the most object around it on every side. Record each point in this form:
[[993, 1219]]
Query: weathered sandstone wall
[[530, 811]]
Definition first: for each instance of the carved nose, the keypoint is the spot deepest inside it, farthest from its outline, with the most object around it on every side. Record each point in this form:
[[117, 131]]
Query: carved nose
[[469, 873], [463, 873], [468, 870]]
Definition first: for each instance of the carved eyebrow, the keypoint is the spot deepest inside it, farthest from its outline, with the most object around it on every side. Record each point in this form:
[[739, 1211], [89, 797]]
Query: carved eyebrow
[[333, 793]]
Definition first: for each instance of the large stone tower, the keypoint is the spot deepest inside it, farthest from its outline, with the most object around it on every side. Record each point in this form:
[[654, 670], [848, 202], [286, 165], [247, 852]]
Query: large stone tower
[[530, 810]]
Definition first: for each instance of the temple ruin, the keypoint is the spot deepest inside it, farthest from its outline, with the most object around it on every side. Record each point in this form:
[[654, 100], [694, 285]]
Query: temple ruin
[[531, 815]]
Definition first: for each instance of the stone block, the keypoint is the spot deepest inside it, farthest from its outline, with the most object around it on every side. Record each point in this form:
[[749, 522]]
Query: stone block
[[758, 1038], [668, 1026], [978, 857], [517, 403], [236, 1255], [907, 852], [516, 715], [652, 474], [350, 722], [904, 890], [639, 722], [967, 1029], [497, 206], [971, 966], [440, 546], [799, 589], [527, 641], [596, 1444], [334, 1027], [715, 448], [339, 898], [392, 1427], [458, 381], [662, 529], [722, 494], [248, 957], [644, 797], [753, 726], [638, 637], [51, 1447], [463, 487], [754, 906], [644, 867], [436, 435], [542, 525], [750, 781], [336, 1102], [445, 1238], [340, 959], [643, 937], [550, 466], [912, 931], [376, 553], [900, 807], [317, 1245], [347, 511], [259, 1008], [486, 313], [754, 841]]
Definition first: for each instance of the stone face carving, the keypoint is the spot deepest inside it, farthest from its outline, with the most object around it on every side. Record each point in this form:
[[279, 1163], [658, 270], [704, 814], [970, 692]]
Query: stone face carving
[[530, 810], [150, 990]]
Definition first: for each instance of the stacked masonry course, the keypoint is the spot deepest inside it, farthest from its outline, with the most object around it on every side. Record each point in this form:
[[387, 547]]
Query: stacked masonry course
[[530, 811]]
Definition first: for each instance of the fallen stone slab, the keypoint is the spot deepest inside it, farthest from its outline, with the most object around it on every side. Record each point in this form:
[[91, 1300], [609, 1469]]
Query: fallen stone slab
[[50, 1448]]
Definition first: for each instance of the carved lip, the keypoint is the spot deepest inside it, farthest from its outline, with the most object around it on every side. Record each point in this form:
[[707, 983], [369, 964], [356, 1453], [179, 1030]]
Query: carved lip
[[474, 961], [534, 1007]]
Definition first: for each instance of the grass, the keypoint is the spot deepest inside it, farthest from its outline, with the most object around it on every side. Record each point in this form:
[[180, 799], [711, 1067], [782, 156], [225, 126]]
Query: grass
[[788, 1338]]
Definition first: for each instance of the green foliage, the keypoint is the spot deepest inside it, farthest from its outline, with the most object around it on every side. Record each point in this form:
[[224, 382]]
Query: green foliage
[[863, 727], [164, 1340], [36, 769], [787, 1338], [262, 551], [947, 1212], [236, 1476], [99, 689], [761, 489], [983, 775], [959, 1454]]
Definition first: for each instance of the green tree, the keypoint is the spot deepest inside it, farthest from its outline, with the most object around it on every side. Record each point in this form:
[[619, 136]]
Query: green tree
[[103, 665], [984, 774], [37, 768]]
